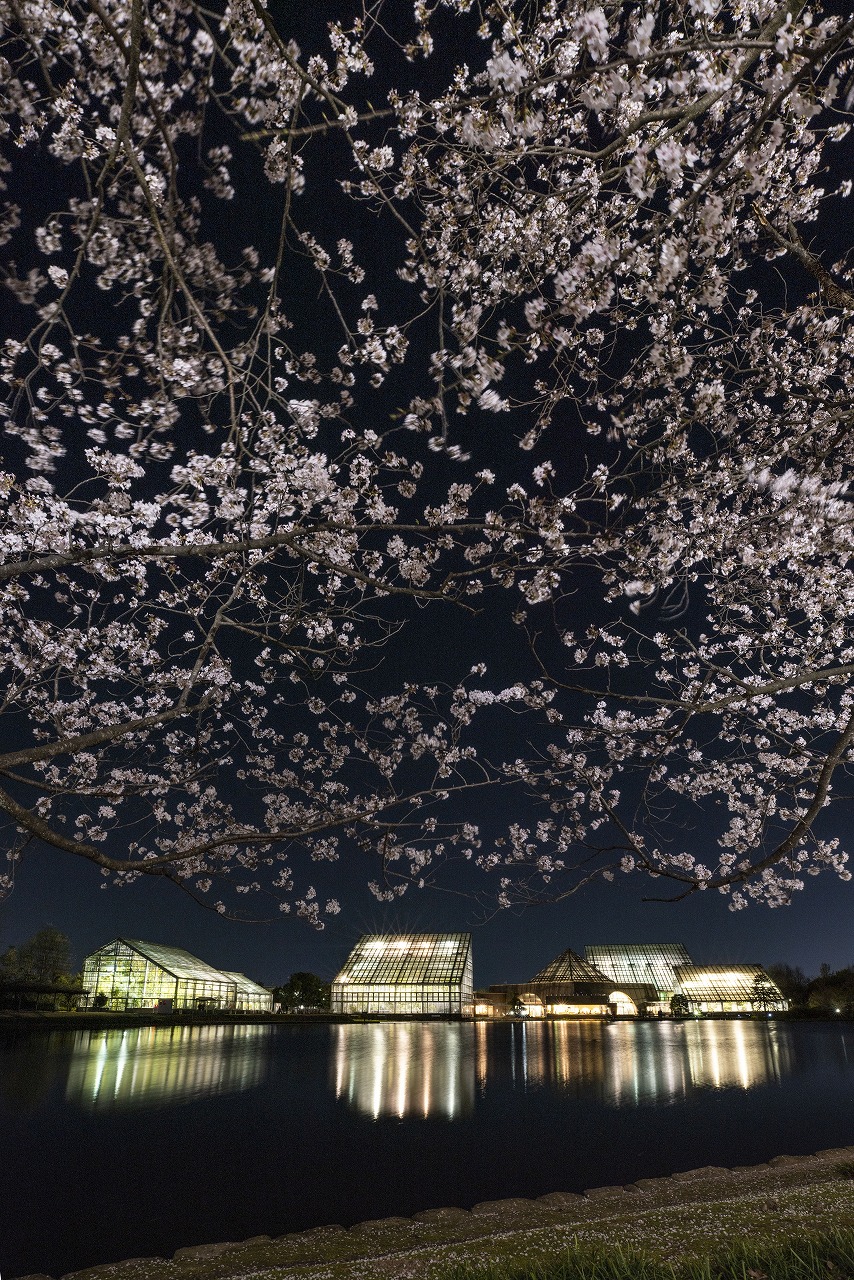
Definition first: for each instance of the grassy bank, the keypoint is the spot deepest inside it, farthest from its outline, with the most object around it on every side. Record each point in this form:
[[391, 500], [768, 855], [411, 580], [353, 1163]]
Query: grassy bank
[[825, 1256]]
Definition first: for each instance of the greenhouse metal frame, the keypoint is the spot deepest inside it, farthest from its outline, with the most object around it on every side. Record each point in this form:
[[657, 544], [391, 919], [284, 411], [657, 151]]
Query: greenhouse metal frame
[[410, 975], [728, 988], [132, 974], [640, 963]]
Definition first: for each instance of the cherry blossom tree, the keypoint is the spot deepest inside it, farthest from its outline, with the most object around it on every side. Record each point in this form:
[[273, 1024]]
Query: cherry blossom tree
[[243, 452], [602, 199]]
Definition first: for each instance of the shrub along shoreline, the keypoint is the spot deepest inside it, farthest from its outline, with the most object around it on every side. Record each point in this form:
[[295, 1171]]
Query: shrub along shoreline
[[790, 1219]]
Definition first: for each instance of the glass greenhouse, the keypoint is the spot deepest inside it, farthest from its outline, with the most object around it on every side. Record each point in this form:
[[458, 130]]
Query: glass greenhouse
[[407, 974], [569, 986], [569, 967], [142, 975], [250, 997], [729, 988], [651, 964]]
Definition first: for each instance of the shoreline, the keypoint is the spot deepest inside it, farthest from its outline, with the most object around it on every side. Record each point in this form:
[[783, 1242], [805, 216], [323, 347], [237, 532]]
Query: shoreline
[[109, 1020], [781, 1199]]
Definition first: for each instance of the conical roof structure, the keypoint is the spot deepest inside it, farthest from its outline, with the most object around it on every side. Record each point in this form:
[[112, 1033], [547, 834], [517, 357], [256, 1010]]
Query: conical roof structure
[[569, 967]]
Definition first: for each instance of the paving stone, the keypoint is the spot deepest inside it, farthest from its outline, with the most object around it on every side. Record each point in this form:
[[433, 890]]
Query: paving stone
[[651, 1184], [204, 1251], [381, 1224], [115, 1270], [561, 1199], [442, 1216], [334, 1228], [705, 1171], [513, 1207]]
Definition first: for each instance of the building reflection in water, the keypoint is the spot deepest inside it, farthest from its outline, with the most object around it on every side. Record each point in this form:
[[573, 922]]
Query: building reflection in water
[[421, 1068], [405, 1068], [631, 1064], [142, 1066]]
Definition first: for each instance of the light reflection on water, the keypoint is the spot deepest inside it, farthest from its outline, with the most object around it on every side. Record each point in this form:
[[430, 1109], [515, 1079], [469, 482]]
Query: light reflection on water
[[145, 1066], [405, 1068], [411, 1069]]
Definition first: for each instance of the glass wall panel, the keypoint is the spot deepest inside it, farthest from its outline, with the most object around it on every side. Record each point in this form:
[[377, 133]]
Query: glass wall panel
[[129, 974], [729, 988], [652, 964], [407, 974]]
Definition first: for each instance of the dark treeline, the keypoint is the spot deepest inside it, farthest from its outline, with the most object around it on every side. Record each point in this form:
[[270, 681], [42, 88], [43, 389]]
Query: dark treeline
[[38, 973], [832, 991], [303, 992]]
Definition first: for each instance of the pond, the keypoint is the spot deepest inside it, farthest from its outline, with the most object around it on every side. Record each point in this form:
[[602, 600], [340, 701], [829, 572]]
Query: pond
[[135, 1142]]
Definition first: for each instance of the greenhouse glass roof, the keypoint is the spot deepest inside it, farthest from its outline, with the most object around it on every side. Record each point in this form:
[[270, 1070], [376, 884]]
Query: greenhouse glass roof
[[407, 959], [245, 985], [177, 962], [653, 963], [724, 982], [569, 967]]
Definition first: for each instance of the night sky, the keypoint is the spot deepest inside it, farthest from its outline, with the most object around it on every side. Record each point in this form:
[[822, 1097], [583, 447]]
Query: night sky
[[509, 947], [55, 888]]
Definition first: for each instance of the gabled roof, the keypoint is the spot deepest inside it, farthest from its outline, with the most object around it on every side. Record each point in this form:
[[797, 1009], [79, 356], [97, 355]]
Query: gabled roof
[[245, 985], [416, 959], [723, 981], [177, 962], [647, 962], [569, 967]]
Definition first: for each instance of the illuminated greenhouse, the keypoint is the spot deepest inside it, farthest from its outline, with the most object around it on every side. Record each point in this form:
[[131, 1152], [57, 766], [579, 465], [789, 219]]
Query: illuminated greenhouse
[[570, 986], [129, 974], [249, 997], [644, 964], [567, 985], [729, 988], [407, 974]]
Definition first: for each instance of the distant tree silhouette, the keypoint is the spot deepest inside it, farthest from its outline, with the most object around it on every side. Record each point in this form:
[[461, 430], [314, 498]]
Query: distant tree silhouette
[[46, 957], [303, 991], [791, 981], [833, 992]]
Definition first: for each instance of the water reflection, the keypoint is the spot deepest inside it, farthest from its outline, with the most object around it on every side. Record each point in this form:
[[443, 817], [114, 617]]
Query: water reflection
[[145, 1066], [682, 1057], [411, 1068], [633, 1064], [405, 1068]]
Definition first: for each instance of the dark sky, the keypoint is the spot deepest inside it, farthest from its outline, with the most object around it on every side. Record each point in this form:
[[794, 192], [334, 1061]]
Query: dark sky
[[511, 946]]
